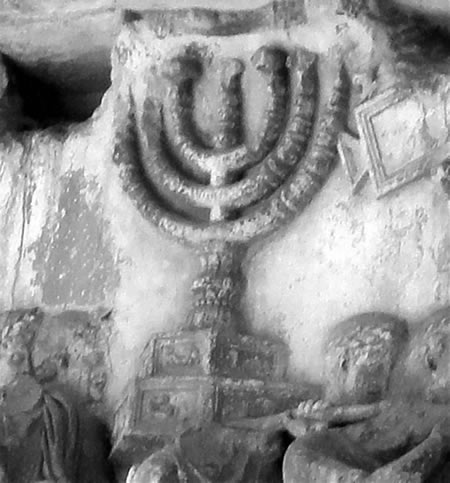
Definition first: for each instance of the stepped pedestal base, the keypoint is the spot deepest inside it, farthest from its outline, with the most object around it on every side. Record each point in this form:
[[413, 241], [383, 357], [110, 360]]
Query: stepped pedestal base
[[192, 378]]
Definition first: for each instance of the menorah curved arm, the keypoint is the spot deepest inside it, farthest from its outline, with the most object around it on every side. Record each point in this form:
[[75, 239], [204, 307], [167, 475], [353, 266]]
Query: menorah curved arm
[[195, 158], [309, 177], [262, 179], [271, 62], [178, 117], [287, 202]]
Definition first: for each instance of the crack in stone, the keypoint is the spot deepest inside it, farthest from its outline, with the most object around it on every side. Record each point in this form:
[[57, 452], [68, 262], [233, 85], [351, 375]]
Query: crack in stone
[[23, 166]]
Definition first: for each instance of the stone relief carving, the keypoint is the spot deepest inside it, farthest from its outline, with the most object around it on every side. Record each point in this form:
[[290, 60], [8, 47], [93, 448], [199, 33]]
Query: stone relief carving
[[71, 348], [410, 84], [210, 402], [216, 193], [395, 156], [211, 189], [384, 416], [408, 440], [47, 431]]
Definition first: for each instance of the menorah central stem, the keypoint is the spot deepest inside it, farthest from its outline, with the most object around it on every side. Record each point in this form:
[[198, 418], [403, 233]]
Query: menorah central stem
[[217, 288]]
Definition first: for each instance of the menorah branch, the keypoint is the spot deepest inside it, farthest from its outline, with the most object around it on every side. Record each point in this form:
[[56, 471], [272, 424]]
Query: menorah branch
[[229, 127], [182, 73], [262, 179], [269, 194]]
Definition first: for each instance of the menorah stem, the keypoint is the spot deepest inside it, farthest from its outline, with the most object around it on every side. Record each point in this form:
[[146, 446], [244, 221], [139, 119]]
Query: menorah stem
[[218, 178], [216, 289]]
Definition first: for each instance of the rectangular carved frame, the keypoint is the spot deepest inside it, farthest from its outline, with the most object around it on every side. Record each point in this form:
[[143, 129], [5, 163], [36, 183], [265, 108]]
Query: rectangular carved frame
[[354, 163], [412, 170]]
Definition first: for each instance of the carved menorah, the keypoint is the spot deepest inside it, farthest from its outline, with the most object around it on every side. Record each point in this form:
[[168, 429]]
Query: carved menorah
[[245, 193], [216, 193]]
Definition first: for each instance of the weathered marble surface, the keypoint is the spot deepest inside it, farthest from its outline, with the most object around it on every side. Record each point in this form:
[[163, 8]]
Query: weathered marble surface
[[73, 240], [70, 348], [49, 380], [357, 252]]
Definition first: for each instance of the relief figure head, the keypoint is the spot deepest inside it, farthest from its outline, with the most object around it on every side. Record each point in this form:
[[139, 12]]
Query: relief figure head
[[16, 337], [428, 359], [360, 354]]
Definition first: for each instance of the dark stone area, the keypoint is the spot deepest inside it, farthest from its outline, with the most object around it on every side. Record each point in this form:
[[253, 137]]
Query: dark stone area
[[45, 103]]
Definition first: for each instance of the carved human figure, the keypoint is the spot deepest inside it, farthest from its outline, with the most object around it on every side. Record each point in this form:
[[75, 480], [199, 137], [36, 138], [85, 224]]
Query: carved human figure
[[230, 449], [427, 364], [217, 454], [409, 438], [376, 424], [43, 436]]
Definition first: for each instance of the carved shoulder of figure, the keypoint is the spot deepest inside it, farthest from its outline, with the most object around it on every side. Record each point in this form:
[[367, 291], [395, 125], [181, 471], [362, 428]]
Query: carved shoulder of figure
[[20, 406]]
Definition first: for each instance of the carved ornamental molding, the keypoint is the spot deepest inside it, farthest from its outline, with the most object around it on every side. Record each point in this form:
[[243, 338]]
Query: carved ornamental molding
[[403, 136]]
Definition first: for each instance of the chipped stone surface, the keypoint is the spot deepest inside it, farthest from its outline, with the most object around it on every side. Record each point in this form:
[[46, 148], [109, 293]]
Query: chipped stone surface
[[61, 228], [12, 191], [70, 348], [79, 262], [54, 371]]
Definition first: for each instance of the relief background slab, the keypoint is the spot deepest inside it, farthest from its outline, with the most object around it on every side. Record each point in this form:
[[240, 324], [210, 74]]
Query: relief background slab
[[75, 240]]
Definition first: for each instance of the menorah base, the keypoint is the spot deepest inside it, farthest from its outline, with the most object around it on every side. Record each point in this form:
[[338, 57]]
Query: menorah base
[[193, 378], [157, 410], [213, 352]]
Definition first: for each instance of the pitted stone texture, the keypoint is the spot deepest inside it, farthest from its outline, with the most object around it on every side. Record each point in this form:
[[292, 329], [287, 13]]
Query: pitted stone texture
[[53, 222], [71, 349], [79, 262], [49, 429]]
